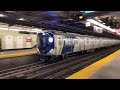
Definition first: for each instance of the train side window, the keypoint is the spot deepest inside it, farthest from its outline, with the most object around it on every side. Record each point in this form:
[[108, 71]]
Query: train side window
[[71, 41], [76, 41], [66, 41], [87, 40]]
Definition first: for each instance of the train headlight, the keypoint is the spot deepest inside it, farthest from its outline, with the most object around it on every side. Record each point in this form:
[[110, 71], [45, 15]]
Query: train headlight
[[50, 39]]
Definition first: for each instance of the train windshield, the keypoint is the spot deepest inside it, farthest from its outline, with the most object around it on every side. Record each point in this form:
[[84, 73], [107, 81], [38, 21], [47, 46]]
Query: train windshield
[[46, 42]]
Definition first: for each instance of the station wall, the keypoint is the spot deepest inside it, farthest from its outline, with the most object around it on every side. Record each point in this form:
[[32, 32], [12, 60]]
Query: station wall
[[15, 40]]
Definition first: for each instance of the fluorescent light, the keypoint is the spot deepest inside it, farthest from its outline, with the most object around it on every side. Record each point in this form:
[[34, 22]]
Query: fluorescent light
[[2, 15], [99, 24], [22, 30], [36, 30], [14, 29], [9, 29], [9, 11], [4, 28], [21, 19], [89, 11]]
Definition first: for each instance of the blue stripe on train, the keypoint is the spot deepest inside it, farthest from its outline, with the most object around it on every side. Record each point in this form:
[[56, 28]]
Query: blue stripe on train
[[67, 48]]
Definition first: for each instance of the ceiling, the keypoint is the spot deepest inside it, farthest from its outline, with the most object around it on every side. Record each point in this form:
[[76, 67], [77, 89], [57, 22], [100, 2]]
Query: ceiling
[[57, 20], [116, 15]]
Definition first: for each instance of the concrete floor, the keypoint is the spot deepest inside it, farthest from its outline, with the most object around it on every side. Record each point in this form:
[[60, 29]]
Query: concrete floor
[[109, 71]]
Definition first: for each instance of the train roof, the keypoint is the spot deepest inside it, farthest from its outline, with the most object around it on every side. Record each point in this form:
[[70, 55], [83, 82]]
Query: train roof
[[71, 34]]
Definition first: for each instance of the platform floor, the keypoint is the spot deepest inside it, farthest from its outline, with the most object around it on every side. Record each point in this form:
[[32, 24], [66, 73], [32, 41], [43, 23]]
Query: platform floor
[[106, 68], [15, 53], [109, 71], [18, 51]]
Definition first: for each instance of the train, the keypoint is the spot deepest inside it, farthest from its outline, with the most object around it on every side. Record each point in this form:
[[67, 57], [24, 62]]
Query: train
[[58, 45]]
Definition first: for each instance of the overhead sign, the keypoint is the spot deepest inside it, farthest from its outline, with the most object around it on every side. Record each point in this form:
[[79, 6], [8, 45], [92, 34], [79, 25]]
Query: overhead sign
[[97, 29], [87, 24], [117, 30]]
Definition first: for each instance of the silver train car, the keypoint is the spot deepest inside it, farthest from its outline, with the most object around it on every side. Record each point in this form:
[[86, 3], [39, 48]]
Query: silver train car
[[56, 45]]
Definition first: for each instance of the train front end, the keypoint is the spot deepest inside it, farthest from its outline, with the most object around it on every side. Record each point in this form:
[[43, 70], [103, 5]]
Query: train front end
[[45, 45]]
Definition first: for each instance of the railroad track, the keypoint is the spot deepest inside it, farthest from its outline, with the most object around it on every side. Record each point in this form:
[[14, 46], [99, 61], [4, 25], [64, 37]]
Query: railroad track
[[55, 70], [62, 70]]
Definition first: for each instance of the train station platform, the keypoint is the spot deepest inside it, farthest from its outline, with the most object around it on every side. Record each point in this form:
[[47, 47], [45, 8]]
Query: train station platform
[[106, 68], [15, 53]]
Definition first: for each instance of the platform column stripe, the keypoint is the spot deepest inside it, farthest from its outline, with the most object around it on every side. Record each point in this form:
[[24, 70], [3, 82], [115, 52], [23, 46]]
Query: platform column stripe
[[16, 55], [93, 68]]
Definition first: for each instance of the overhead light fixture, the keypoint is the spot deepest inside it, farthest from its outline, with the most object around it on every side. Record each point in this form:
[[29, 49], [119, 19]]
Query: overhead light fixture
[[80, 17], [3, 28], [2, 15], [21, 19], [103, 23], [9, 11]]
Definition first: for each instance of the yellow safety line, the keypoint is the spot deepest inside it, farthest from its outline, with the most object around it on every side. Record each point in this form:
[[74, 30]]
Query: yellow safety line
[[16, 55], [90, 70]]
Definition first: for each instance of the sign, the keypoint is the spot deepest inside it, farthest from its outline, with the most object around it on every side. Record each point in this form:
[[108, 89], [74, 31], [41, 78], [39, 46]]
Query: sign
[[28, 39], [87, 24], [117, 30], [97, 29]]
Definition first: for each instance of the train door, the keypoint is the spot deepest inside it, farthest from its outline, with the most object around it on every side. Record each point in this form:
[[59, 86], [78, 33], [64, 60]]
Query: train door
[[95, 45], [86, 43], [59, 43], [82, 43], [67, 47], [71, 46], [101, 43], [19, 42], [9, 42], [76, 44], [90, 43], [95, 42], [29, 42]]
